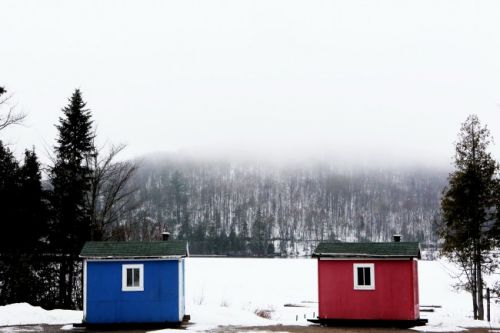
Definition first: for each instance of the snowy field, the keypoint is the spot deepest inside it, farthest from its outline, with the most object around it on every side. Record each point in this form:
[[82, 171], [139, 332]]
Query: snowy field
[[231, 291]]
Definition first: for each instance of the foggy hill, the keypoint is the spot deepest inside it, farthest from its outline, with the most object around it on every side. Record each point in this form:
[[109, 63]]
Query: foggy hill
[[259, 209]]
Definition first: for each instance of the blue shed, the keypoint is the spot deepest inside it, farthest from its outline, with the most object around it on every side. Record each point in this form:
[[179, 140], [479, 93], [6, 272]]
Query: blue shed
[[134, 282]]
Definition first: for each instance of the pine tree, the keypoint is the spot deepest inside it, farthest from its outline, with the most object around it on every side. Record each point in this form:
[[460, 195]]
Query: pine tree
[[259, 241], [34, 213], [9, 200], [468, 207], [32, 266], [9, 185], [25, 222], [70, 180]]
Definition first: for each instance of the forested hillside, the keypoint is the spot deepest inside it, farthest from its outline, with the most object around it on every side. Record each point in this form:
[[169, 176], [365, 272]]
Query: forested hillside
[[257, 209]]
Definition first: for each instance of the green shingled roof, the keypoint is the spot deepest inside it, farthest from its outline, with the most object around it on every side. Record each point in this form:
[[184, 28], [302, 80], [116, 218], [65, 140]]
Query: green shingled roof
[[134, 249], [368, 250]]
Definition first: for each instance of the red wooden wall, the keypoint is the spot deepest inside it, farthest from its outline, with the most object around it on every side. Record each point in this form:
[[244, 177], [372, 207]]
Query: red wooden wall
[[395, 296]]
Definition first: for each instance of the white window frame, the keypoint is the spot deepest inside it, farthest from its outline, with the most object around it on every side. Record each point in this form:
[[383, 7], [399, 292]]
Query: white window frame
[[371, 286], [140, 287]]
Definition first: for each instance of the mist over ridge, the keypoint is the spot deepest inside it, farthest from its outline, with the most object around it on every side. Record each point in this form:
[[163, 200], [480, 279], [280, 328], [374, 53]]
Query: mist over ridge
[[255, 207], [305, 156]]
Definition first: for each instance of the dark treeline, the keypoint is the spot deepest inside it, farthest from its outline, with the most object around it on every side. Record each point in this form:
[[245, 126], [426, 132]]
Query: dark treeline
[[24, 225], [43, 225], [244, 209]]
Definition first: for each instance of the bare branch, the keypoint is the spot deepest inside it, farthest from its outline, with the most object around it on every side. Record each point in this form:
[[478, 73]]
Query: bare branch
[[110, 192], [10, 116]]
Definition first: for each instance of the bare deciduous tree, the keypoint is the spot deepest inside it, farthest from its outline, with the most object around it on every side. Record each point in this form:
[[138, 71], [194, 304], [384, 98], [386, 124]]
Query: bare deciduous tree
[[110, 193], [9, 116]]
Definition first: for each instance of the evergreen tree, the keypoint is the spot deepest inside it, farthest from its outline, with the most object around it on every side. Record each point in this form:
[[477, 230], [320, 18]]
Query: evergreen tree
[[468, 207], [259, 242], [234, 242], [9, 200], [36, 272], [70, 180], [34, 212], [25, 222], [9, 189]]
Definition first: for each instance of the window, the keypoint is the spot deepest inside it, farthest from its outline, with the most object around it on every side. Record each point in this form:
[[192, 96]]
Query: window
[[364, 276], [133, 277]]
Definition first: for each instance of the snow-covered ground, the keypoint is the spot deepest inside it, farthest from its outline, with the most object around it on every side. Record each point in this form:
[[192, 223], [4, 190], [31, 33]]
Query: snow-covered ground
[[230, 291], [221, 285], [25, 314], [436, 281]]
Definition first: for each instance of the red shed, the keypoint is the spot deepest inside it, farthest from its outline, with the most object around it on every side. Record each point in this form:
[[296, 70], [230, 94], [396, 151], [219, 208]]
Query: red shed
[[371, 282]]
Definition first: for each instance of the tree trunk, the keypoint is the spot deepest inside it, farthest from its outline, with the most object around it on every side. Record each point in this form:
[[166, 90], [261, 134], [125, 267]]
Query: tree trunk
[[62, 281], [473, 289], [69, 290], [479, 281]]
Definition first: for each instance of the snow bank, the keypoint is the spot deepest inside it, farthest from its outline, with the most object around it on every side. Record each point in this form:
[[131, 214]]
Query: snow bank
[[25, 314]]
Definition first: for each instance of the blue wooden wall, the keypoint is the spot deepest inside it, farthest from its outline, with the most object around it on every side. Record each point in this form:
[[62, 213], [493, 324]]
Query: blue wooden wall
[[159, 302]]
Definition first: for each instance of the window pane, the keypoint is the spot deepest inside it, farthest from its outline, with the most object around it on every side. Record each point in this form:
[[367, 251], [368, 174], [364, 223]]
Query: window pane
[[367, 276], [129, 277], [360, 277], [136, 277]]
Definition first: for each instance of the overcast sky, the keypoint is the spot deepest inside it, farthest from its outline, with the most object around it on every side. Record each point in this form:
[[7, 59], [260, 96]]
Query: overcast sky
[[347, 80]]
